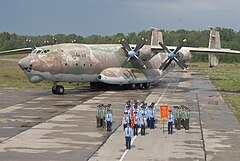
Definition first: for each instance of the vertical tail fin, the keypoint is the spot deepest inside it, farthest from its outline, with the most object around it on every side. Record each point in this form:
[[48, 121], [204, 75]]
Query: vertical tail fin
[[214, 43], [156, 36], [214, 40]]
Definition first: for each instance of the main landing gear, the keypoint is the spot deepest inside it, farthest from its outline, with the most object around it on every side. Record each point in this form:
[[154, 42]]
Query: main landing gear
[[138, 86], [146, 85], [57, 89]]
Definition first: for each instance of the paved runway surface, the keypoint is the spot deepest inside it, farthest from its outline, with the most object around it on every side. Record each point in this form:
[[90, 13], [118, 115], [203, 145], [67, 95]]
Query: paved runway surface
[[36, 125]]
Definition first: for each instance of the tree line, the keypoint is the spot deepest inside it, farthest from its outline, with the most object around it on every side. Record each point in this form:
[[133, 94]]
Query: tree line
[[229, 39]]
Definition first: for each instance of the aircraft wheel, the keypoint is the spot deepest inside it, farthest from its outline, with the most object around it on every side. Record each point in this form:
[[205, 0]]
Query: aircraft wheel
[[54, 89], [133, 86], [57, 89], [146, 85], [60, 89], [140, 86]]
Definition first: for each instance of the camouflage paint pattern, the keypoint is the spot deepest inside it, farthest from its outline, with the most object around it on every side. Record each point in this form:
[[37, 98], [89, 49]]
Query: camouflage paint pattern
[[83, 63]]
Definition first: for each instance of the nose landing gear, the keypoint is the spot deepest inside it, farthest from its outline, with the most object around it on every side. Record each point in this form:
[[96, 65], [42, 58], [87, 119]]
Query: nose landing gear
[[58, 89]]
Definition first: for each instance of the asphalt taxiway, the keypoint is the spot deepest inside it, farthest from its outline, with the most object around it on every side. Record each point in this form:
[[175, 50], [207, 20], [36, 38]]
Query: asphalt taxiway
[[37, 125]]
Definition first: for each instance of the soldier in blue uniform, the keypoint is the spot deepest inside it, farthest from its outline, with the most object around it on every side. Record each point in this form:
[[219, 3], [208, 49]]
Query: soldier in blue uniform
[[135, 103], [170, 122], [136, 122], [147, 114], [135, 108], [128, 113], [143, 124], [109, 107], [140, 105], [154, 107], [109, 120], [151, 117], [125, 120], [128, 135]]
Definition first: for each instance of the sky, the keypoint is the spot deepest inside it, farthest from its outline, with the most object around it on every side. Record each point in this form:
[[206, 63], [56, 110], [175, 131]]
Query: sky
[[109, 17]]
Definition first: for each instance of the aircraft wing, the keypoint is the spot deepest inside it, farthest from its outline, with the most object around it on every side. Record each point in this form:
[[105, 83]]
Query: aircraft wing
[[211, 51], [213, 54], [196, 50], [16, 51]]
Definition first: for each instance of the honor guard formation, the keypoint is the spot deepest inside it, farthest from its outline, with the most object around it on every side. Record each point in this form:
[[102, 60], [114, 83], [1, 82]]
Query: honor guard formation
[[181, 117], [141, 115], [137, 115], [104, 116]]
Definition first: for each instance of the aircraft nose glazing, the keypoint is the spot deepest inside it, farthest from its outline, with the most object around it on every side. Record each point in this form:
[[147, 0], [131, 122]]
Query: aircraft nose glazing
[[24, 64]]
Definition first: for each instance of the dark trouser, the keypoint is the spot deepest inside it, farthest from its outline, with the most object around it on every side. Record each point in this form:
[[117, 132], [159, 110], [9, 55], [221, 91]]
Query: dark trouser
[[103, 122], [186, 124], [98, 121], [151, 123], [128, 142], [178, 123], [148, 122], [170, 127], [135, 130], [183, 123], [124, 126], [142, 129], [109, 126]]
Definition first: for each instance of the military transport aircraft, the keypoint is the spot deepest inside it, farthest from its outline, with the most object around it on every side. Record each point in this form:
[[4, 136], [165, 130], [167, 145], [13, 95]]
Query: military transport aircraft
[[117, 64]]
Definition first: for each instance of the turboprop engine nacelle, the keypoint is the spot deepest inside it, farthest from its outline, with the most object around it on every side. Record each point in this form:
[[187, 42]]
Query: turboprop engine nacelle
[[121, 76]]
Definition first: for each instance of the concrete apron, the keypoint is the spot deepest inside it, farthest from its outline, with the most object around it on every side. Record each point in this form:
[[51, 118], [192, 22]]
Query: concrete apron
[[214, 132]]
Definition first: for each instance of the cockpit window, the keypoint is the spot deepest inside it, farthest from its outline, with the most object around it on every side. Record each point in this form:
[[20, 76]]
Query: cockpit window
[[39, 51]]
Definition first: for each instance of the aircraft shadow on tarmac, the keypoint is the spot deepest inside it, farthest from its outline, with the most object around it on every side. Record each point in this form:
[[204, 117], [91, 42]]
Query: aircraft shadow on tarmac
[[89, 89]]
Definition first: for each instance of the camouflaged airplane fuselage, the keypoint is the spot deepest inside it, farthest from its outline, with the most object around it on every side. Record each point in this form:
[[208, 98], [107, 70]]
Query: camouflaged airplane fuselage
[[91, 63]]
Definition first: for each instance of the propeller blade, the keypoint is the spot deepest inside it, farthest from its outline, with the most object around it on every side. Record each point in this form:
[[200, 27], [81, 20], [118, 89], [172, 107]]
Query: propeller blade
[[164, 47], [179, 46], [139, 45], [183, 63], [31, 44], [168, 63], [133, 53], [173, 56], [125, 45], [164, 64], [179, 63], [140, 62], [126, 61]]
